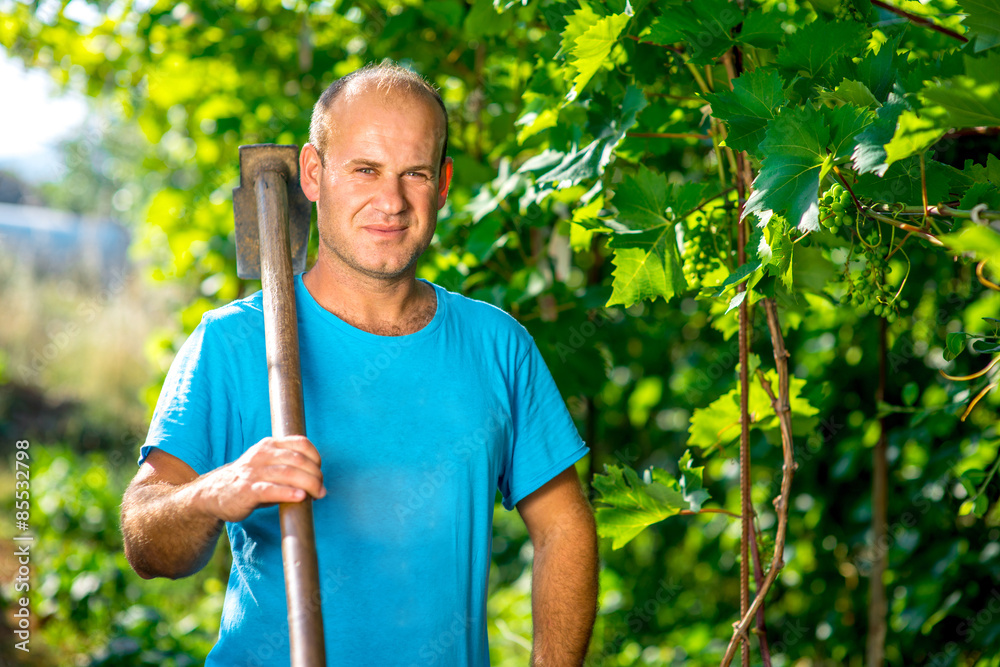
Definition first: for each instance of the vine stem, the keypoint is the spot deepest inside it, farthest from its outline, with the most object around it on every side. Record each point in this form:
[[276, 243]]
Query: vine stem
[[746, 507], [710, 510], [783, 409], [916, 231], [919, 20], [982, 277], [977, 374], [758, 576], [977, 398], [667, 135], [941, 211], [744, 182], [923, 186], [878, 605]]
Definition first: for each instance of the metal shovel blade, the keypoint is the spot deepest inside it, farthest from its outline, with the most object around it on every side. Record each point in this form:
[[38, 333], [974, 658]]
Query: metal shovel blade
[[254, 160]]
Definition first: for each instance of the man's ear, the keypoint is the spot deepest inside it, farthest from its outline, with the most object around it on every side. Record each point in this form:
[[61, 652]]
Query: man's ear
[[444, 181], [310, 172]]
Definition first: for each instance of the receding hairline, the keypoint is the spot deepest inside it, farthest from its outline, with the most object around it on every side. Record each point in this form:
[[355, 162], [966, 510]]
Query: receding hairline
[[387, 79]]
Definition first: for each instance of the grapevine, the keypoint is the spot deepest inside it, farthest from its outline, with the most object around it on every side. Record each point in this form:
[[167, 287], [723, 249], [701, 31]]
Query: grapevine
[[703, 237]]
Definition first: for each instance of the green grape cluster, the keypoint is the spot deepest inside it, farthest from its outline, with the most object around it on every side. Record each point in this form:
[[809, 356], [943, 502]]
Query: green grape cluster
[[701, 240], [867, 288], [836, 208], [847, 10]]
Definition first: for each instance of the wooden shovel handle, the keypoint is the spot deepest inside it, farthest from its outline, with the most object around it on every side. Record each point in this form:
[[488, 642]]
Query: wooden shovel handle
[[284, 380]]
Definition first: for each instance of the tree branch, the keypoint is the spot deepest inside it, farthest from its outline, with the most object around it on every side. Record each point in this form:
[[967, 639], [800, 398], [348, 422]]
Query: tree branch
[[920, 20]]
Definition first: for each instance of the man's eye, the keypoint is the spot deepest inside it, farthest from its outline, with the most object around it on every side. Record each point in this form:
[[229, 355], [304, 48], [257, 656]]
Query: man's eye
[[366, 170], [418, 174]]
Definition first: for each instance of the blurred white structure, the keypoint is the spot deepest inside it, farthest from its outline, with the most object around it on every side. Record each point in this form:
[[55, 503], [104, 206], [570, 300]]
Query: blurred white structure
[[58, 243]]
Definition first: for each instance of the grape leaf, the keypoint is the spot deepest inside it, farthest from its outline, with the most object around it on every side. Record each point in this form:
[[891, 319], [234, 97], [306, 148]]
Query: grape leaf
[[981, 193], [850, 92], [672, 27], [754, 100], [968, 100], [981, 240], [591, 50], [647, 265], [590, 161], [869, 150], [646, 256], [762, 29], [990, 172], [795, 146], [719, 422], [914, 134], [821, 48], [983, 21], [775, 249], [627, 505], [740, 274], [577, 23], [642, 200], [845, 123], [901, 183], [704, 26], [691, 483], [877, 71]]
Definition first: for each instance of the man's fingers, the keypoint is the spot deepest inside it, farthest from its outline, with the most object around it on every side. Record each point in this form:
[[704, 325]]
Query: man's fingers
[[295, 477], [269, 493], [299, 444]]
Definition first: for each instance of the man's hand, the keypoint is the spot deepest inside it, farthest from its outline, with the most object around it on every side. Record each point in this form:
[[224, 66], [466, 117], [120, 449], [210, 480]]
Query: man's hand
[[275, 470], [172, 518]]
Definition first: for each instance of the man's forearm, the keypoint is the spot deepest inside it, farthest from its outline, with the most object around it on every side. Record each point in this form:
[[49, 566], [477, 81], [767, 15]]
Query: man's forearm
[[165, 534], [564, 596]]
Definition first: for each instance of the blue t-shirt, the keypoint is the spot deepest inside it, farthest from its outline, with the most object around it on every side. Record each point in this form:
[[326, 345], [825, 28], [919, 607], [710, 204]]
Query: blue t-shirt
[[416, 434]]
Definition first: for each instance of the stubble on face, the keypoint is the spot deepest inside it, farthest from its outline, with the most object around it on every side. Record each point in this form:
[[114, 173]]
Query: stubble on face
[[377, 118]]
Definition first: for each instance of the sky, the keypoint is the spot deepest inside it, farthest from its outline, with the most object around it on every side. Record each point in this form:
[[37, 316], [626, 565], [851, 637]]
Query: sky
[[33, 118]]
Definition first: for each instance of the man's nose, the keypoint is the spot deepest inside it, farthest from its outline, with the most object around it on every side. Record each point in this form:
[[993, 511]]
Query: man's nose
[[390, 199]]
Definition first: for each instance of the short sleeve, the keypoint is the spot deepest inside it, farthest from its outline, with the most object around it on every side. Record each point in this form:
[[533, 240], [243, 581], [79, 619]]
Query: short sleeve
[[545, 440], [196, 417]]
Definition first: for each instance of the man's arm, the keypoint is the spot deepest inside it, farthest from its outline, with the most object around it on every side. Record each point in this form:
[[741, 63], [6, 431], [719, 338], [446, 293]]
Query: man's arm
[[564, 575], [171, 518]]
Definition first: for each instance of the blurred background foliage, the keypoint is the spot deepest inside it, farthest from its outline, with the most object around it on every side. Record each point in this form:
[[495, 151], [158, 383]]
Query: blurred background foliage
[[178, 87]]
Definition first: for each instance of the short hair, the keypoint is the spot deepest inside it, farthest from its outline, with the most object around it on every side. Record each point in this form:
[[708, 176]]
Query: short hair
[[387, 77]]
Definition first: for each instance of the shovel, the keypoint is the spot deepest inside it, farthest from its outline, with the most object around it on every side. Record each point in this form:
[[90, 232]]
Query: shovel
[[272, 235]]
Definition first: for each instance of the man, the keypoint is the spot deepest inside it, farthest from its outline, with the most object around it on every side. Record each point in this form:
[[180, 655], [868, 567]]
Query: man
[[419, 405]]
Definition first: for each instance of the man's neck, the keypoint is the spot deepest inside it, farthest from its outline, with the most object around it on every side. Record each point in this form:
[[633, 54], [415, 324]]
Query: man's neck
[[386, 307]]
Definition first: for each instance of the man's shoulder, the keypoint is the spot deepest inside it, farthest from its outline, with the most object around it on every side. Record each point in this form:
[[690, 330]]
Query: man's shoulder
[[483, 314], [237, 319]]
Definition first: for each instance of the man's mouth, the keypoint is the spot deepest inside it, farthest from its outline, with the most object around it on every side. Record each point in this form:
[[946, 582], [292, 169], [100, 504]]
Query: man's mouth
[[386, 231]]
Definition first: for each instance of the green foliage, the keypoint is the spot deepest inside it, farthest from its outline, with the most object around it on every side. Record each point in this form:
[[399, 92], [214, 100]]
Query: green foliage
[[590, 50], [718, 424], [983, 21], [87, 600], [628, 505], [646, 253], [596, 198], [747, 108]]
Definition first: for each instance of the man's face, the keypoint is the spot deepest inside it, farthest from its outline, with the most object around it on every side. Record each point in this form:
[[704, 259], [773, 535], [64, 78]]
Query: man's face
[[380, 185]]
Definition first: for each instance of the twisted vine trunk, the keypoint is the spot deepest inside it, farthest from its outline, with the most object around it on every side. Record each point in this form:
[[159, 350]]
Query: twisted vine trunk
[[746, 508], [877, 604]]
